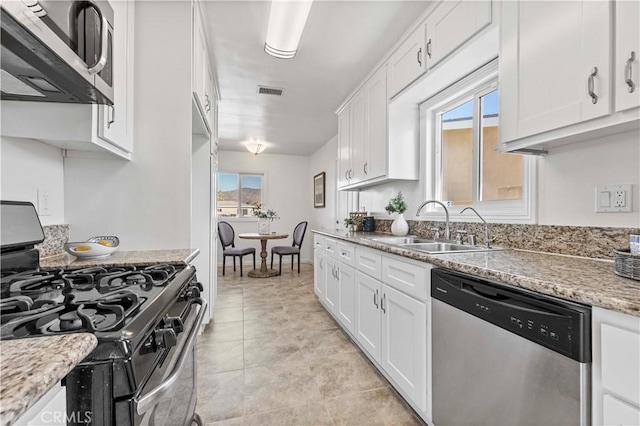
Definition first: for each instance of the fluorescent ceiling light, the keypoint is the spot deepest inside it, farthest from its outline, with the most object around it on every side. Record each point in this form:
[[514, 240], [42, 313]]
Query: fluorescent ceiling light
[[255, 147], [286, 23]]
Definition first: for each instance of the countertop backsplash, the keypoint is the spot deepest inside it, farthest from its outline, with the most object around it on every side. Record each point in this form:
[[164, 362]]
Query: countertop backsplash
[[582, 241], [55, 237]]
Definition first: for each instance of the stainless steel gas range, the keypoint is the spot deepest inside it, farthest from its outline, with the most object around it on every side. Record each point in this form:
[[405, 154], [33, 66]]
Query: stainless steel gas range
[[146, 320]]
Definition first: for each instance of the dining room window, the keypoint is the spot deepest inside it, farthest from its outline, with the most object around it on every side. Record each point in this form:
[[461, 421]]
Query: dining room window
[[239, 194]]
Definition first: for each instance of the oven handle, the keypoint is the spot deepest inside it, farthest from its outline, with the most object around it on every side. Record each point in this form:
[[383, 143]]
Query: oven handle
[[104, 41], [150, 398]]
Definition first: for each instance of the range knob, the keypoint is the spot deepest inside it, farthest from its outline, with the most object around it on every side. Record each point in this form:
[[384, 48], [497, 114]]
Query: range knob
[[166, 338], [175, 323]]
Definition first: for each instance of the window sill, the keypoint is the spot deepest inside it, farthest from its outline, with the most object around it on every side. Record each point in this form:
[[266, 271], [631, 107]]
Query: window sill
[[238, 219]]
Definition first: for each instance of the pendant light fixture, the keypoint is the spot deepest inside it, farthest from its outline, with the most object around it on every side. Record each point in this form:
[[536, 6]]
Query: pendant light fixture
[[286, 23]]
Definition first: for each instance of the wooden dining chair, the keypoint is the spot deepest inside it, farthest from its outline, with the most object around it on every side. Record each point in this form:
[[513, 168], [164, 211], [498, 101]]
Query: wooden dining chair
[[293, 249], [227, 238]]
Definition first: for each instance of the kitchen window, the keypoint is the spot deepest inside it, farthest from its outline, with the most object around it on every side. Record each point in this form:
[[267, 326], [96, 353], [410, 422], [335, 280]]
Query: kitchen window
[[462, 165], [239, 194]]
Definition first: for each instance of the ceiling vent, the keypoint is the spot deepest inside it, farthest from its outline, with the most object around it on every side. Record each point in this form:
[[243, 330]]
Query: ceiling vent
[[276, 91]]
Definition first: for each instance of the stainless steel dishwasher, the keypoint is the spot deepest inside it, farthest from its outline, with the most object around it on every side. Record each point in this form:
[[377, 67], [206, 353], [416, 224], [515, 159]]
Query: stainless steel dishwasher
[[507, 356]]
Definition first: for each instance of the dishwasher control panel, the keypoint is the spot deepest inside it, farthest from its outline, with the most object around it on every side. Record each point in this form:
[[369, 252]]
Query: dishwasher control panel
[[562, 326]]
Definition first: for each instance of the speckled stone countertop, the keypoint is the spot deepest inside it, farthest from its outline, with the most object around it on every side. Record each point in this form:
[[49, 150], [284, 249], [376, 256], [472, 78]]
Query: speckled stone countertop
[[122, 258], [588, 281], [29, 368]]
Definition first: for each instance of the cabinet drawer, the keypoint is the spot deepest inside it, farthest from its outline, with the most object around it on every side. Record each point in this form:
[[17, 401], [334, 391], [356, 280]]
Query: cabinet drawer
[[616, 412], [369, 263], [346, 254], [331, 247], [318, 242], [621, 362], [406, 277]]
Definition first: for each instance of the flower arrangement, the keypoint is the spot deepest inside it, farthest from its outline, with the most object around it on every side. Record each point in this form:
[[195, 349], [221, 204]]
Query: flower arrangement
[[397, 204], [262, 214]]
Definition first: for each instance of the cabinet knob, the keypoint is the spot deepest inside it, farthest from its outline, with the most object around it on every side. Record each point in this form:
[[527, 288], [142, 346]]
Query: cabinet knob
[[628, 73]]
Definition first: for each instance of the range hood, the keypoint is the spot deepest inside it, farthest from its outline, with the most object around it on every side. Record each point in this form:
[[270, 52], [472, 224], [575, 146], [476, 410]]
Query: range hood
[[42, 68]]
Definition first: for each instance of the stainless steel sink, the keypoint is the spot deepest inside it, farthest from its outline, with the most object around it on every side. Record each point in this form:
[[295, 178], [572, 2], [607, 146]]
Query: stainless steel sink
[[426, 245], [401, 240]]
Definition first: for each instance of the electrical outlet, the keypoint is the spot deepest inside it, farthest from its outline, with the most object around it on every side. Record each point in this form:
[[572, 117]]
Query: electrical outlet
[[619, 198], [614, 199], [44, 202]]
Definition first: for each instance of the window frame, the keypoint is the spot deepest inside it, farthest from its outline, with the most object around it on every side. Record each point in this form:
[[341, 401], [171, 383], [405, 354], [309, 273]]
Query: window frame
[[263, 195], [477, 84]]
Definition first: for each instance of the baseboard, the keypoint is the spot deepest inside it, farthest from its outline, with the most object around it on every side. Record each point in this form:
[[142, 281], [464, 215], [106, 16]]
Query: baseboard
[[250, 262]]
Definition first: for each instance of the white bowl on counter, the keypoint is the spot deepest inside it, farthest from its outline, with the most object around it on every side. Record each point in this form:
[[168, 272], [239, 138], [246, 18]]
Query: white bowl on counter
[[93, 247]]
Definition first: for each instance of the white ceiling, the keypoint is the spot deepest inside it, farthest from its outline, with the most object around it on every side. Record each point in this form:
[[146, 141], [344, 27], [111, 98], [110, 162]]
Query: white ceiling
[[341, 43]]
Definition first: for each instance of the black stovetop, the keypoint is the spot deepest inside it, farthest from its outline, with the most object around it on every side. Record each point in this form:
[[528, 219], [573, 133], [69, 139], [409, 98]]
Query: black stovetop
[[96, 300]]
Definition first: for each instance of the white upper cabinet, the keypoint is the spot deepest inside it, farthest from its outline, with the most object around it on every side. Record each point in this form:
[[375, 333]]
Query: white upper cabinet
[[359, 131], [202, 79], [79, 128], [376, 161], [451, 24], [344, 146], [115, 123], [366, 156], [548, 82], [627, 55], [567, 87], [408, 61]]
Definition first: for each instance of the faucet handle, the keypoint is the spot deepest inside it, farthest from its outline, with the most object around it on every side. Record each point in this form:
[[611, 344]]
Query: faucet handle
[[436, 234], [459, 234]]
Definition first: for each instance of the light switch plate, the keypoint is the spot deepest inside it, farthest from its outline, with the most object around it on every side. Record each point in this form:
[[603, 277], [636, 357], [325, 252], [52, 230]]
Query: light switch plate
[[614, 198]]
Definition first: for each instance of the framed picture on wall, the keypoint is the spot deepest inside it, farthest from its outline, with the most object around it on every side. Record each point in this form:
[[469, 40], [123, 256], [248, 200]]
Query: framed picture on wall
[[318, 190]]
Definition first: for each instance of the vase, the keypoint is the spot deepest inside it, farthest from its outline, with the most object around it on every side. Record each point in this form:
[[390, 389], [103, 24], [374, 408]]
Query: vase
[[264, 225], [400, 227]]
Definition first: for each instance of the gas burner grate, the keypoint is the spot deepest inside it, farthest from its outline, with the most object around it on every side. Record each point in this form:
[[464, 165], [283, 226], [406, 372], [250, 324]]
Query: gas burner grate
[[32, 282], [103, 314]]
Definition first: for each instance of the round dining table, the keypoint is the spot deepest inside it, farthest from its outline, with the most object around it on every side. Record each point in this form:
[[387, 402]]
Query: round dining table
[[263, 272]]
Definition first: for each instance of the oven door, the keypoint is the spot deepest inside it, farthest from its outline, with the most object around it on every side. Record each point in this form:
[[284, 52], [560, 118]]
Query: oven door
[[173, 401]]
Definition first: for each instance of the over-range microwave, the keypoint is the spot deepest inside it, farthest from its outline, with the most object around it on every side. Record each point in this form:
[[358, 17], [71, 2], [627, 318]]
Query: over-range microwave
[[57, 51]]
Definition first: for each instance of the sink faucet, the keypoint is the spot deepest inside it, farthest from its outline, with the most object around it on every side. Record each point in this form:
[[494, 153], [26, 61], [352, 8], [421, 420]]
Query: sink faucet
[[447, 232], [487, 239]]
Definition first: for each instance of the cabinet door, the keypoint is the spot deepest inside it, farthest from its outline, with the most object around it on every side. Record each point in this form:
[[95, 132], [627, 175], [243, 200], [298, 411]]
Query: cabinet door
[[376, 161], [368, 320], [347, 296], [451, 24], [115, 123], [359, 127], [627, 55], [408, 62], [331, 293], [545, 82], [404, 343], [344, 146], [318, 273], [618, 413]]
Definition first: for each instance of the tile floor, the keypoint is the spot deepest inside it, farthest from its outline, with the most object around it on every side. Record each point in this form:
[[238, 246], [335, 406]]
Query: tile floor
[[273, 356]]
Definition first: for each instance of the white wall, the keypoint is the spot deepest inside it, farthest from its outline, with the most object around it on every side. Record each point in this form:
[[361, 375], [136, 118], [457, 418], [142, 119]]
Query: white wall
[[567, 178], [28, 165], [289, 192], [569, 175], [324, 160], [146, 201]]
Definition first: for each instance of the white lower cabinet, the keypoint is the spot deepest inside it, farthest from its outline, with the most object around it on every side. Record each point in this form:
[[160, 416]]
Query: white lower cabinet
[[388, 324], [404, 343], [616, 368], [346, 296], [368, 326], [332, 288], [318, 273]]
